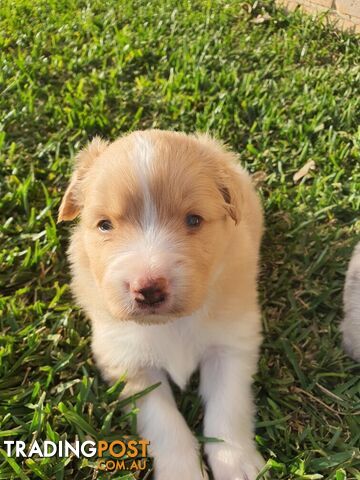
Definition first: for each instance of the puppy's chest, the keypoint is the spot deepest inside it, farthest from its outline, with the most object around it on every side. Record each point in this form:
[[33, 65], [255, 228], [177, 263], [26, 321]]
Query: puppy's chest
[[176, 347]]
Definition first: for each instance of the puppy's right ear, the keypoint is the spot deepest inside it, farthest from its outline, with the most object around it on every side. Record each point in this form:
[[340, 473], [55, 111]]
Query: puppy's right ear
[[71, 203]]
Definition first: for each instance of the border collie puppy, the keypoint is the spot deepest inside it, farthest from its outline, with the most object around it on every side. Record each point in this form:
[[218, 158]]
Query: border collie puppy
[[164, 262]]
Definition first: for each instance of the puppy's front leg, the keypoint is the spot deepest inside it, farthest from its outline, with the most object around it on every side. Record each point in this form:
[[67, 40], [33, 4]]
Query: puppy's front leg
[[174, 448], [226, 378]]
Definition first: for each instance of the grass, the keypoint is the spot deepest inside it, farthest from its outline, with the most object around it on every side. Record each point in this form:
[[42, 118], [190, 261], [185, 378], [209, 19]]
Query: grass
[[281, 93]]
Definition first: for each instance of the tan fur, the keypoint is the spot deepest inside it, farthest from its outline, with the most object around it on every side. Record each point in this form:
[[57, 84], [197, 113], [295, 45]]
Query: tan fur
[[73, 200]]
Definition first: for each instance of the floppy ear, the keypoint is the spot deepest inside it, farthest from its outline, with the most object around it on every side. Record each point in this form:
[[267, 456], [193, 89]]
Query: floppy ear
[[227, 175], [71, 203], [230, 189]]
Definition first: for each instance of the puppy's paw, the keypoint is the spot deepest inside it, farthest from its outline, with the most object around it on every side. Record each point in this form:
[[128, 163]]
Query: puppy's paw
[[233, 463]]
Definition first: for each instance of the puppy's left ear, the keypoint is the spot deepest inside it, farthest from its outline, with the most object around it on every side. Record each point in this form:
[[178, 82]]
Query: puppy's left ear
[[226, 173], [72, 203], [230, 189]]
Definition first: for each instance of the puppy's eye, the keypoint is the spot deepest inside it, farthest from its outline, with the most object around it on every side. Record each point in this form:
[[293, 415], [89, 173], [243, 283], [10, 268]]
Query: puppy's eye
[[104, 225], [193, 221]]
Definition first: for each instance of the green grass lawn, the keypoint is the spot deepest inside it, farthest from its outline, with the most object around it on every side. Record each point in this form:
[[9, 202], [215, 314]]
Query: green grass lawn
[[280, 92]]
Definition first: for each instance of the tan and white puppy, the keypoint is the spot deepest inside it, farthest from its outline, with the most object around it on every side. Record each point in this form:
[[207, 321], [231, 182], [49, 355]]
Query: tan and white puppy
[[164, 262]]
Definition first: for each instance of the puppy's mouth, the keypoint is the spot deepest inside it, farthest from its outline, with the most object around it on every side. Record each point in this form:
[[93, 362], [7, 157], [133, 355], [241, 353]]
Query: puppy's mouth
[[166, 308], [152, 308], [159, 311]]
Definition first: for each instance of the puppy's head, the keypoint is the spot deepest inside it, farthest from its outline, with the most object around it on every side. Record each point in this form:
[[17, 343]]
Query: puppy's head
[[156, 214]]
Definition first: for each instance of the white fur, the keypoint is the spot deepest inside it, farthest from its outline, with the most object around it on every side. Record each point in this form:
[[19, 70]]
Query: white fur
[[177, 348], [226, 387], [351, 323], [143, 155]]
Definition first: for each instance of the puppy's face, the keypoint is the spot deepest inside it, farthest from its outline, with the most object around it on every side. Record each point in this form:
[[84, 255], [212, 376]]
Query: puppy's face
[[157, 209]]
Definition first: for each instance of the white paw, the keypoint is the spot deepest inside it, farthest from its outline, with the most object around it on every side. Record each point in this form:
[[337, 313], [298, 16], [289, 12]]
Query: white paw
[[234, 463]]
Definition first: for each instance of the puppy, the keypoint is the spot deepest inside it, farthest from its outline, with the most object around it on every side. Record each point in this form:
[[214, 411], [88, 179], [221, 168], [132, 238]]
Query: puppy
[[351, 323], [164, 262]]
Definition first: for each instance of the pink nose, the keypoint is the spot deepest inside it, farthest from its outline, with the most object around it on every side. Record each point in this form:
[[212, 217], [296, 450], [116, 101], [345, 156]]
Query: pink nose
[[150, 292]]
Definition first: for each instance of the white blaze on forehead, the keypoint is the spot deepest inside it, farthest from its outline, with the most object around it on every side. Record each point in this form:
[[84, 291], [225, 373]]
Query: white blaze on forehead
[[154, 238], [143, 162]]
